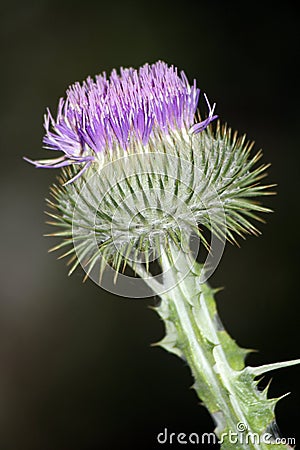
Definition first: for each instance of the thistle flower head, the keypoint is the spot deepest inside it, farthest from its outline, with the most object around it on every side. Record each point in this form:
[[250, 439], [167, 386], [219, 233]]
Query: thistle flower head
[[140, 171], [110, 114]]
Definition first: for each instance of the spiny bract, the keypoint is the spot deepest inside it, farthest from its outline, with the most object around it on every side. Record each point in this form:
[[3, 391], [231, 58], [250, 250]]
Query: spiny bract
[[130, 206]]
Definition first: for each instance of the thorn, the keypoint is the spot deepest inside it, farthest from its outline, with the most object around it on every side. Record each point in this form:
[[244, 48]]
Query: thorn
[[282, 396], [256, 371], [266, 389]]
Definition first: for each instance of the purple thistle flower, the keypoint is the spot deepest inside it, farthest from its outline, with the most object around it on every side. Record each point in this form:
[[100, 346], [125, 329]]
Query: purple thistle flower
[[102, 113]]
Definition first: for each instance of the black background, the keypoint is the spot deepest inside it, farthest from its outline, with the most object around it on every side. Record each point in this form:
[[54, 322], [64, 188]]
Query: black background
[[76, 368]]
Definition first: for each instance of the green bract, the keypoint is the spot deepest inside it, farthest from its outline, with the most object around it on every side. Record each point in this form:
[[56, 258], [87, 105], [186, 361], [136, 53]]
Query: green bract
[[130, 205]]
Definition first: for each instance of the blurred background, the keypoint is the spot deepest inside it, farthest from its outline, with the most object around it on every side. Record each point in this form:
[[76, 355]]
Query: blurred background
[[76, 368]]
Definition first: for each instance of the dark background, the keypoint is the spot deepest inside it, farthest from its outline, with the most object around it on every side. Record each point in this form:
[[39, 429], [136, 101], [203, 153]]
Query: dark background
[[76, 368]]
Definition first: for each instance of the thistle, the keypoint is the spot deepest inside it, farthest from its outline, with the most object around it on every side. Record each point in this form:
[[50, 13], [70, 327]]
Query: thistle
[[141, 177]]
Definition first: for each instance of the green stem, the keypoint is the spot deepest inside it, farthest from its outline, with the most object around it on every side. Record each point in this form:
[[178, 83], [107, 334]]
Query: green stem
[[244, 415]]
